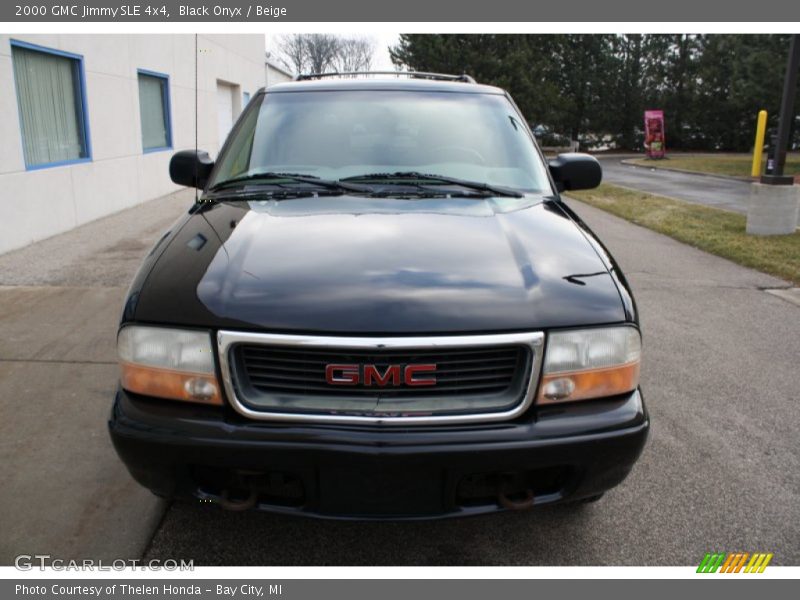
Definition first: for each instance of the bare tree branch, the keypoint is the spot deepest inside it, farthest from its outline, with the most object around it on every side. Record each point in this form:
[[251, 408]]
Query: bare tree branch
[[321, 50], [355, 54], [292, 52], [324, 52]]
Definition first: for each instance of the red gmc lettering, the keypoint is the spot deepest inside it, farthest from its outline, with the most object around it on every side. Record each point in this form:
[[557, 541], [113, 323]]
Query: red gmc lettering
[[412, 375], [392, 374], [342, 374]]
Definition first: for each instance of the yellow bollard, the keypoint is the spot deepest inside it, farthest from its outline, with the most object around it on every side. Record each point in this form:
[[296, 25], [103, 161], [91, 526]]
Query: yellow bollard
[[758, 149]]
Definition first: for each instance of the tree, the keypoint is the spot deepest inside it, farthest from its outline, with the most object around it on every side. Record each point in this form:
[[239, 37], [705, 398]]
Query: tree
[[583, 75], [354, 54], [292, 52], [679, 90], [737, 76], [321, 50], [637, 77], [324, 52], [594, 88], [557, 80], [626, 93], [520, 64]]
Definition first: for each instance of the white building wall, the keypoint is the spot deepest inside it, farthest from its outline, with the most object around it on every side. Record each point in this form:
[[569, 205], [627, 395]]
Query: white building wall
[[35, 204], [274, 74]]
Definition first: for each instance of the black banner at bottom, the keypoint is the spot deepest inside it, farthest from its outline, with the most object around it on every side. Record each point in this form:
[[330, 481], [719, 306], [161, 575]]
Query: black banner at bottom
[[388, 589]]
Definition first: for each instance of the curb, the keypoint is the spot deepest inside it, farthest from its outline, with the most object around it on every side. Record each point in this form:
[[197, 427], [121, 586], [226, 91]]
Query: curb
[[629, 162], [789, 294]]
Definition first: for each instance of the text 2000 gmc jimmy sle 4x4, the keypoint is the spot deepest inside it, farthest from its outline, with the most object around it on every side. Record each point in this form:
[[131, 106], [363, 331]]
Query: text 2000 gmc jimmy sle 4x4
[[380, 308]]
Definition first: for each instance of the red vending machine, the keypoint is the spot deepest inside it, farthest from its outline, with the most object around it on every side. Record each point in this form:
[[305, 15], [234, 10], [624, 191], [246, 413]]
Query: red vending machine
[[654, 139]]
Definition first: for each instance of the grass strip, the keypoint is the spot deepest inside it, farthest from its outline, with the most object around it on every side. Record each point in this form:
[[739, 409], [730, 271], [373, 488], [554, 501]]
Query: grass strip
[[713, 230]]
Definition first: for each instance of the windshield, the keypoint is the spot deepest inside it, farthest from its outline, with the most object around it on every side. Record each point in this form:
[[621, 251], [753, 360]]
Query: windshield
[[339, 134]]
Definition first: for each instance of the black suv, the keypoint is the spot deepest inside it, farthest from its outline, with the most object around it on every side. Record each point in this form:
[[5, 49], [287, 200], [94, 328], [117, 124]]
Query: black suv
[[380, 308]]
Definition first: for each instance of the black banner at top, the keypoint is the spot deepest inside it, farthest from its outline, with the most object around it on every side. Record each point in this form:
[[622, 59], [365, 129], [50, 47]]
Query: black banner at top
[[449, 11]]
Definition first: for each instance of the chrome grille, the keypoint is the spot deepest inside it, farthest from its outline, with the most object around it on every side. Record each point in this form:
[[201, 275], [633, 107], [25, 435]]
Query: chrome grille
[[275, 369], [282, 377]]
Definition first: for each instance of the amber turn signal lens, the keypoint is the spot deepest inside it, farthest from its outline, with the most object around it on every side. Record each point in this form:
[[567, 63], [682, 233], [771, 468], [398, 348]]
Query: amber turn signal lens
[[592, 383], [175, 385], [580, 364]]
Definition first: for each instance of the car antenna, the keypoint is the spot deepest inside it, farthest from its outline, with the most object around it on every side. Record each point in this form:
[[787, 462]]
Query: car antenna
[[196, 191]]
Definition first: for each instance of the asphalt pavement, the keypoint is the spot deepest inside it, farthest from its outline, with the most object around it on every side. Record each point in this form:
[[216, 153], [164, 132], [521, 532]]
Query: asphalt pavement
[[720, 472], [719, 192]]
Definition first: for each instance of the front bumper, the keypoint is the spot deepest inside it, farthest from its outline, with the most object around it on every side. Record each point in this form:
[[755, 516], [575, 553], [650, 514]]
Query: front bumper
[[211, 454]]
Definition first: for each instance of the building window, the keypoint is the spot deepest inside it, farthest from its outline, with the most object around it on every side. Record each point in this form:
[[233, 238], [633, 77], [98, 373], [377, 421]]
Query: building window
[[154, 111], [52, 105], [245, 99]]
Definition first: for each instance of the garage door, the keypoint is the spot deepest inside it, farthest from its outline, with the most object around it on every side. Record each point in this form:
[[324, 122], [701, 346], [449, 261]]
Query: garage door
[[224, 111]]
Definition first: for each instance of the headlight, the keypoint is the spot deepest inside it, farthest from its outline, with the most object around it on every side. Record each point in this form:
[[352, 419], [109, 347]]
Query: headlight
[[590, 363], [168, 363]]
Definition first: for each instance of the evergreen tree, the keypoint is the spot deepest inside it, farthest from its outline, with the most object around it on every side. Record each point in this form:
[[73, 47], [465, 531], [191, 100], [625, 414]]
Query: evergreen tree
[[594, 88]]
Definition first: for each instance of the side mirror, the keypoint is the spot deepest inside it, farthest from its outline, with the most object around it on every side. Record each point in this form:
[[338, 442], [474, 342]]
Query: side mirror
[[191, 168], [576, 171]]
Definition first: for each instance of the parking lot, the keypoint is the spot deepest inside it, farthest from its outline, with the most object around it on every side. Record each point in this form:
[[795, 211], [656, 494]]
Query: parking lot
[[721, 470]]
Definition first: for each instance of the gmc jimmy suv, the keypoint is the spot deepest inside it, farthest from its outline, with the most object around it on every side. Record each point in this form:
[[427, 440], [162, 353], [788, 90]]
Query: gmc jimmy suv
[[380, 307]]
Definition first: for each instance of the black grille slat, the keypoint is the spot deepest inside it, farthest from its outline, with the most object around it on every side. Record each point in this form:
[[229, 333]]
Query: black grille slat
[[499, 381], [261, 371], [327, 391], [321, 379], [302, 364], [276, 368], [356, 352], [295, 364], [300, 356]]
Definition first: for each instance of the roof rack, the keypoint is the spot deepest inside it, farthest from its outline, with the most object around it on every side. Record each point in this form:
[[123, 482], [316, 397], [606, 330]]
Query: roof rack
[[412, 74]]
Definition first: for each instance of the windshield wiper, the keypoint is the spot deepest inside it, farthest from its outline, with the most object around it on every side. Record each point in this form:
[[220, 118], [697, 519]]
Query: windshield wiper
[[281, 193], [295, 177], [403, 176]]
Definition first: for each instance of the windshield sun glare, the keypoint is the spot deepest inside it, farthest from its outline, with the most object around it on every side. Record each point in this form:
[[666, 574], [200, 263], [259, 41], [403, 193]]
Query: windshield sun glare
[[336, 135]]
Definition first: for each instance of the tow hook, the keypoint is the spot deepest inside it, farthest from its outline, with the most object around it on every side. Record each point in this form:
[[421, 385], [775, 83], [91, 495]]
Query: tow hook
[[504, 494], [228, 503], [245, 478]]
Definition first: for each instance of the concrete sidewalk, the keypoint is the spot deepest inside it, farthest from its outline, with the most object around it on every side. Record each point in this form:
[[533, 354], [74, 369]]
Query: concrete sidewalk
[[65, 492]]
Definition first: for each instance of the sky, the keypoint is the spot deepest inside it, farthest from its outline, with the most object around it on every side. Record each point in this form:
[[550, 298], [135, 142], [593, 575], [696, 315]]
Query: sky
[[381, 60], [383, 41]]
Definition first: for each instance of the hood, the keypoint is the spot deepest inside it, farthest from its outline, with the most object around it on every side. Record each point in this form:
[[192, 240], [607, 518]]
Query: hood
[[348, 264]]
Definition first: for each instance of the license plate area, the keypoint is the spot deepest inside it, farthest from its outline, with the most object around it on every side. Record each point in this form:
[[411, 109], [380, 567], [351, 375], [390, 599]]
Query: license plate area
[[381, 491]]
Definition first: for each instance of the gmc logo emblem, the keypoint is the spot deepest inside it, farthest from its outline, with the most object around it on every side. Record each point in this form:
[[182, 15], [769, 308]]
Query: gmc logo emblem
[[369, 375]]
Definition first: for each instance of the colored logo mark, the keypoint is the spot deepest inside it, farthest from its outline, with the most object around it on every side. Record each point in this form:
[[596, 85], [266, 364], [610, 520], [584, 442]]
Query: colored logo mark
[[734, 562]]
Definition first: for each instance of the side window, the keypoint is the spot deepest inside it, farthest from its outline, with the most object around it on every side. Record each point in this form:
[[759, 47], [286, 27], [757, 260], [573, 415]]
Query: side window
[[155, 111], [52, 105]]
